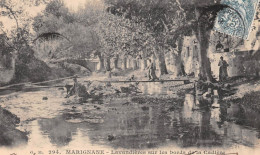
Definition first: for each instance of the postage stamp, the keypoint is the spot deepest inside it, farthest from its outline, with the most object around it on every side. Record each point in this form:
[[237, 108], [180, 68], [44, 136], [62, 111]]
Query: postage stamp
[[236, 20]]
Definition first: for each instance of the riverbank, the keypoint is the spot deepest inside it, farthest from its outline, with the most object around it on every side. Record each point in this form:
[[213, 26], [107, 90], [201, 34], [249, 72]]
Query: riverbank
[[247, 93], [120, 114], [9, 135], [244, 86], [155, 117], [28, 68]]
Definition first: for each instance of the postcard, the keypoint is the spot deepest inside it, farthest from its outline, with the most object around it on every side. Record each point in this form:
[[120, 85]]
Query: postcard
[[129, 77]]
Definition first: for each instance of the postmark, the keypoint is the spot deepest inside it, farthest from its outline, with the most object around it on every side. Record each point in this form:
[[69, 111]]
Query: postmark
[[237, 18]]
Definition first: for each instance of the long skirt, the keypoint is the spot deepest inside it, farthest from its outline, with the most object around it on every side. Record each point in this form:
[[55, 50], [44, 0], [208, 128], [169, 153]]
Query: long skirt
[[223, 73]]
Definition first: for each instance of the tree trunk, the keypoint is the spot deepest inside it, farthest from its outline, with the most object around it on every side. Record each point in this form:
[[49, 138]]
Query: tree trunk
[[108, 67], [204, 62], [162, 64], [195, 59], [129, 63], [124, 63], [178, 63], [138, 63], [101, 62], [143, 64], [135, 64], [115, 61]]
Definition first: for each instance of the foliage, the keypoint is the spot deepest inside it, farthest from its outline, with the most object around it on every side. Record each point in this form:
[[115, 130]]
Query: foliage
[[119, 35], [145, 27], [19, 34], [159, 18], [57, 18], [59, 10]]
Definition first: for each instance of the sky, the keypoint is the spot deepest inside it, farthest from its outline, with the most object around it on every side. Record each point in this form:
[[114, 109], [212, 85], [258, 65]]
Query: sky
[[73, 5]]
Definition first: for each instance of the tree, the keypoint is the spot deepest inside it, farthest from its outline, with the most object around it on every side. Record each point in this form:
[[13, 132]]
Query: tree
[[173, 19], [16, 35], [162, 19], [153, 16], [120, 36], [206, 16], [19, 37], [77, 28], [89, 15]]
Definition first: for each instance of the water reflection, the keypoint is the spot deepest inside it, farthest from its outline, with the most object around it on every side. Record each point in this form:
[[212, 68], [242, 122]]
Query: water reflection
[[59, 131], [199, 123], [158, 88]]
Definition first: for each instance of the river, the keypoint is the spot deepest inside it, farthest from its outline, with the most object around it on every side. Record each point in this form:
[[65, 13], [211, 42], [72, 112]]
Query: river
[[57, 122]]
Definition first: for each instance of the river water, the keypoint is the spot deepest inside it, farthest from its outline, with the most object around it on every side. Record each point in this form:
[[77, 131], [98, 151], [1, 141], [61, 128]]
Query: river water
[[120, 123]]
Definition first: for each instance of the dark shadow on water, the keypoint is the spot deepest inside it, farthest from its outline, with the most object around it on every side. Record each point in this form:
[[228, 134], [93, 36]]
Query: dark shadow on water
[[135, 128], [59, 131], [198, 123]]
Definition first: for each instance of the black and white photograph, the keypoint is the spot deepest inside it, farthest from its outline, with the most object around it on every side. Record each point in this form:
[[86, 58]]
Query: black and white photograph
[[129, 77]]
